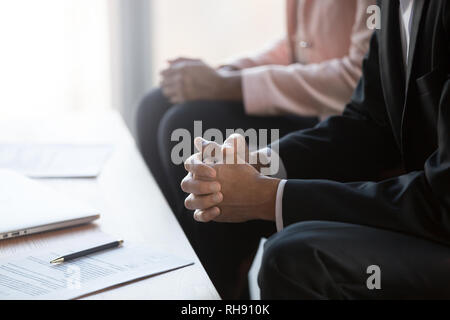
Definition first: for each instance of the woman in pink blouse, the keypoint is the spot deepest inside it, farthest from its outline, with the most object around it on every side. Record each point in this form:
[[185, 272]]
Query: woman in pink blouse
[[306, 76]]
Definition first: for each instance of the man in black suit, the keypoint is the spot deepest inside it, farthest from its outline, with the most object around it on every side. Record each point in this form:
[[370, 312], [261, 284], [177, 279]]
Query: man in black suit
[[368, 188]]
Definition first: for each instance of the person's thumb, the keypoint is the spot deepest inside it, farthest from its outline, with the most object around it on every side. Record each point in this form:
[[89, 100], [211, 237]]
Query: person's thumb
[[235, 149]]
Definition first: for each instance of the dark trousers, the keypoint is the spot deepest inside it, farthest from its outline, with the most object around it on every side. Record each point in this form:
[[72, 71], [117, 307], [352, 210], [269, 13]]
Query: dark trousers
[[225, 250], [331, 260], [308, 260]]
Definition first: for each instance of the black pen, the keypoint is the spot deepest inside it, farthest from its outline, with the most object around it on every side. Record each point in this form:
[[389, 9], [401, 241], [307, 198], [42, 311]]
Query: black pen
[[83, 253]]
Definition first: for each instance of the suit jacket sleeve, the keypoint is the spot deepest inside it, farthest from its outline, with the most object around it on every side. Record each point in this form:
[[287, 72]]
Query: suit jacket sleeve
[[334, 169]]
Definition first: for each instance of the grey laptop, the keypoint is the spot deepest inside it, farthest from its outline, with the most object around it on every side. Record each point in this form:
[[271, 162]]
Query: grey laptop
[[28, 207]]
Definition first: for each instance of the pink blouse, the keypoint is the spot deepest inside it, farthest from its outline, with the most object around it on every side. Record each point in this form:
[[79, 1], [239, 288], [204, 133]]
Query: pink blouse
[[315, 68]]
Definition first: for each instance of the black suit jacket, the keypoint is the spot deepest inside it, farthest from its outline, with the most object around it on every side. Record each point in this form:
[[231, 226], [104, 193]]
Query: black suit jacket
[[398, 121]]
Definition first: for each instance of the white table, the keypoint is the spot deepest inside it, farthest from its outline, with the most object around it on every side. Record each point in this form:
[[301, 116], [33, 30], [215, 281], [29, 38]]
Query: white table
[[132, 207]]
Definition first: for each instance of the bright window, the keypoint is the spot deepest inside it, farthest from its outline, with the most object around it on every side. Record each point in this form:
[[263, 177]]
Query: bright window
[[61, 55], [54, 56]]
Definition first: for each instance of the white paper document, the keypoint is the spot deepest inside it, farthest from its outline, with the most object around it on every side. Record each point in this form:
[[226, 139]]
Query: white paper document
[[54, 160], [33, 277]]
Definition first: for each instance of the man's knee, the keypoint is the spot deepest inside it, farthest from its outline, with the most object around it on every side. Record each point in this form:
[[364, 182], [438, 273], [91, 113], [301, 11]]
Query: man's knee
[[292, 266]]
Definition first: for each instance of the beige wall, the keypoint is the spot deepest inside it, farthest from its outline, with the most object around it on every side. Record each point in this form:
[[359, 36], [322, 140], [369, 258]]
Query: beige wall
[[213, 29]]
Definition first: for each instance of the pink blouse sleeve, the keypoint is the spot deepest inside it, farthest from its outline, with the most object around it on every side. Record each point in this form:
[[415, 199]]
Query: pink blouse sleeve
[[276, 53], [320, 89]]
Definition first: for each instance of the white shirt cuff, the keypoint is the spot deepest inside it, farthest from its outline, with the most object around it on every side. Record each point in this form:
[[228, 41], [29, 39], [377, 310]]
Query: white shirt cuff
[[277, 170], [279, 205]]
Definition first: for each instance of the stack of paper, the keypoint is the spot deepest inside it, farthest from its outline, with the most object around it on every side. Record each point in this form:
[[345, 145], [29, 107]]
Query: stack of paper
[[54, 160]]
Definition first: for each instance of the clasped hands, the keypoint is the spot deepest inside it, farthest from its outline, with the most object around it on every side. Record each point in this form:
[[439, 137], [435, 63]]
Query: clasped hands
[[224, 187], [188, 79]]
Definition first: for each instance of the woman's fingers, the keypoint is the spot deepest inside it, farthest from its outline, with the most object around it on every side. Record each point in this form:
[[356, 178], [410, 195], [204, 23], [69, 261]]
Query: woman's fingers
[[173, 93], [169, 91], [182, 59]]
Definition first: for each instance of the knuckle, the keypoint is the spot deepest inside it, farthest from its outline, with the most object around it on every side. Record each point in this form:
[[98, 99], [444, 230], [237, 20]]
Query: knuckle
[[211, 200], [188, 203], [198, 216], [209, 149], [208, 187], [208, 216], [236, 136], [202, 171], [184, 184], [188, 163]]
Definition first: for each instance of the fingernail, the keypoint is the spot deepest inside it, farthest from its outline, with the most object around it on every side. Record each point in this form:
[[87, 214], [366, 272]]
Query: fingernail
[[215, 187], [217, 197], [197, 216], [216, 212]]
